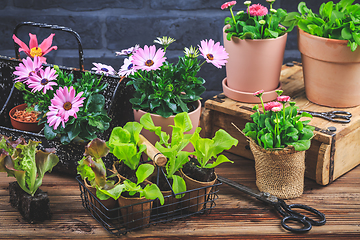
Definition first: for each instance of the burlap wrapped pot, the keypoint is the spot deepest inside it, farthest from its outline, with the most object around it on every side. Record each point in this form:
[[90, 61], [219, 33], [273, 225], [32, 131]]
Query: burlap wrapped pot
[[279, 172]]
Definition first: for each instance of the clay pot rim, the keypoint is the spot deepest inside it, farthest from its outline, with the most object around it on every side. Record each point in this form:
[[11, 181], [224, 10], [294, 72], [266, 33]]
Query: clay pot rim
[[254, 40], [11, 113], [154, 114], [199, 182], [338, 41], [245, 96]]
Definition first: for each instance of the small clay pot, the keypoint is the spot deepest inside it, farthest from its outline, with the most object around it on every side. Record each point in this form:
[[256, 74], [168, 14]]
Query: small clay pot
[[21, 125]]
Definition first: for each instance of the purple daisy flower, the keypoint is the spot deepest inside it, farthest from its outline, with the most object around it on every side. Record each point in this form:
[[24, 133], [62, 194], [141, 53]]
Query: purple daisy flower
[[42, 80], [27, 68], [128, 68], [148, 58], [103, 69], [66, 102], [213, 53], [128, 52]]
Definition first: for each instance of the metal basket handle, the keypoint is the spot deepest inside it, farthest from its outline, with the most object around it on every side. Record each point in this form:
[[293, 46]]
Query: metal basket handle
[[54, 27]]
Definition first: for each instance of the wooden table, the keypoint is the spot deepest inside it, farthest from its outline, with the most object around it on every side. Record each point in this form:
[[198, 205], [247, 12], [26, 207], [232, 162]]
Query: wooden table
[[236, 215]]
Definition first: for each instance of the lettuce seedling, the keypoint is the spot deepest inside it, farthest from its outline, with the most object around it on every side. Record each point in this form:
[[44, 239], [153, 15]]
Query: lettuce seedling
[[150, 191], [92, 168], [123, 143], [172, 149], [207, 149], [24, 162]]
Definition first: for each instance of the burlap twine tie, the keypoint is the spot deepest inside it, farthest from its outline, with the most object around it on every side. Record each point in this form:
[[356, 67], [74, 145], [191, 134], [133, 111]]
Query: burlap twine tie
[[280, 173]]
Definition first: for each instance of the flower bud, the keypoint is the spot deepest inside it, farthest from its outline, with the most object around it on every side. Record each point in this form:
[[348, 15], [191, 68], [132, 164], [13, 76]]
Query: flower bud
[[20, 86], [262, 22], [247, 3]]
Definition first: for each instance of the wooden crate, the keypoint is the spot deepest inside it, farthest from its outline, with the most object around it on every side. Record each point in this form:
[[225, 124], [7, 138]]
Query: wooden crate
[[331, 154]]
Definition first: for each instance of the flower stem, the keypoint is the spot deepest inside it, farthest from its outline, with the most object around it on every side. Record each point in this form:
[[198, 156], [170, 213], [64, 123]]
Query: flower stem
[[232, 14], [262, 103], [283, 113], [277, 126]]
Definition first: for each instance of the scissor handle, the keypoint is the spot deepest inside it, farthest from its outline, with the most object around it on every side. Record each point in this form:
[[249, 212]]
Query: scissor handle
[[313, 222], [291, 215]]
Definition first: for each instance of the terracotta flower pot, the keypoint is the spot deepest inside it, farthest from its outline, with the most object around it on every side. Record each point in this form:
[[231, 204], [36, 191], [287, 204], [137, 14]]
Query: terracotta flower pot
[[21, 125], [194, 201], [331, 71], [254, 64], [165, 122]]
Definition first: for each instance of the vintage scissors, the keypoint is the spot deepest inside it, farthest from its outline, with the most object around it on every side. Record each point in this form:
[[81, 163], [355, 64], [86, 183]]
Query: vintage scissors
[[285, 210], [334, 116]]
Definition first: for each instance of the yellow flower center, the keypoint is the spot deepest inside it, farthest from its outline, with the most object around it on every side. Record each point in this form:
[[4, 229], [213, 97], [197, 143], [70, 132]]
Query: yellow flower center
[[67, 106], [149, 63], [36, 51], [210, 56]]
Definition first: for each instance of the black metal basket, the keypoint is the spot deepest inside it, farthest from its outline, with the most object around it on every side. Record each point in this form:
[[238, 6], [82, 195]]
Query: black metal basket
[[117, 105], [121, 220]]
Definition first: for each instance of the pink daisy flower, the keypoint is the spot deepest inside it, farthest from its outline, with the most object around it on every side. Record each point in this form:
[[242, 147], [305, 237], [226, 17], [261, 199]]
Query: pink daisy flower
[[34, 48], [283, 99], [270, 105], [53, 119], [227, 5], [276, 109], [103, 69], [42, 80], [213, 53], [128, 52], [148, 58], [257, 10], [258, 93], [27, 68], [128, 68], [67, 103]]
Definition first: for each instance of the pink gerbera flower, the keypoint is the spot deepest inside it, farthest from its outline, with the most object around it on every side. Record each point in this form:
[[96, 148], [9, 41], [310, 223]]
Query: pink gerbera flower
[[213, 53], [53, 119], [128, 68], [67, 103], [283, 99], [34, 49], [42, 80], [270, 105], [27, 68], [148, 58], [128, 52], [227, 5], [276, 109], [257, 10], [103, 69]]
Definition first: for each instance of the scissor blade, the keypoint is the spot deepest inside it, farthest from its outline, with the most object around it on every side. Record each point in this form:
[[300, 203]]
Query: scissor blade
[[266, 197]]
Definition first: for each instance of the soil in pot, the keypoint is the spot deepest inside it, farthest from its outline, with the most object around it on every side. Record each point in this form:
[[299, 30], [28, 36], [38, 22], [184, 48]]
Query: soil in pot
[[23, 119], [33, 208], [193, 170], [124, 170]]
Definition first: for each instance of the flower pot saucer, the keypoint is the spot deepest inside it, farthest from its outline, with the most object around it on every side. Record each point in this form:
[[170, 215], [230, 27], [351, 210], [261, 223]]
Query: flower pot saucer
[[248, 97]]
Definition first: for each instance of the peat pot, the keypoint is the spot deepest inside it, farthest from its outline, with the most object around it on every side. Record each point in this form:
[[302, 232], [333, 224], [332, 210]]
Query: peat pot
[[331, 71]]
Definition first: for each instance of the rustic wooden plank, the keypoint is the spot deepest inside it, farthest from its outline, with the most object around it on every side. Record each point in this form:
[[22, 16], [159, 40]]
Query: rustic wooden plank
[[236, 215]]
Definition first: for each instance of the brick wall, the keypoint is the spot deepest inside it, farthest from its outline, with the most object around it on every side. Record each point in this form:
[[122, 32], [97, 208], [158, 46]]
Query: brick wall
[[106, 26]]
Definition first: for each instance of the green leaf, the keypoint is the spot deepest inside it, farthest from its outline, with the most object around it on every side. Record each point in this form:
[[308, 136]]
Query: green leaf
[[143, 172], [96, 103], [49, 133], [152, 192], [220, 159], [346, 33], [301, 145], [178, 185]]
